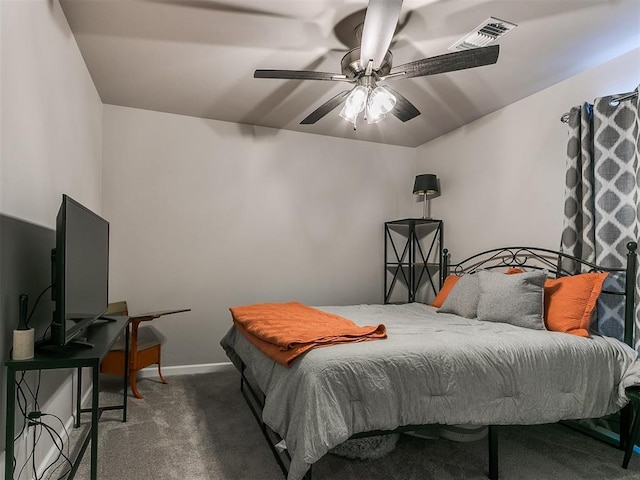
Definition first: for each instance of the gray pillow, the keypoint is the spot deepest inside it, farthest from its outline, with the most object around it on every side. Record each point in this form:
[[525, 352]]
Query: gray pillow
[[516, 299], [463, 297]]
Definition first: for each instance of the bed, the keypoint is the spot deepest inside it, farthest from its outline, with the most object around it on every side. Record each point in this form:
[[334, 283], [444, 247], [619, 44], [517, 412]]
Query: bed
[[442, 368]]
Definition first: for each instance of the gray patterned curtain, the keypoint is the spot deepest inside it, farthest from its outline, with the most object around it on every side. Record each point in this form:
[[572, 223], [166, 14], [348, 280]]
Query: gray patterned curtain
[[578, 234], [602, 212]]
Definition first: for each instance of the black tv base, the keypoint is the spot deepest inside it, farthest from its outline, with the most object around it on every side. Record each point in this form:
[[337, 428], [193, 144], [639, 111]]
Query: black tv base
[[54, 350]]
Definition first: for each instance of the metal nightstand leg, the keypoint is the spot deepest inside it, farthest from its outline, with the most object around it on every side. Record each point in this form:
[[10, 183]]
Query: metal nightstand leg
[[634, 397]]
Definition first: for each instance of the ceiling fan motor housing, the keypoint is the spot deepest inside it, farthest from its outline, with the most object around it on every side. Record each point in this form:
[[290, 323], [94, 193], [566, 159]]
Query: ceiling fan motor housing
[[352, 67]]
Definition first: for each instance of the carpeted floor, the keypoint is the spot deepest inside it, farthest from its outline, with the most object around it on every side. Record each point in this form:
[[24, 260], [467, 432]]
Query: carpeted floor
[[199, 428]]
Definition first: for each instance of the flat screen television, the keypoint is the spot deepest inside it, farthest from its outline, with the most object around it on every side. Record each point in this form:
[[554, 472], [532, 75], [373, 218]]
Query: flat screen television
[[80, 272]]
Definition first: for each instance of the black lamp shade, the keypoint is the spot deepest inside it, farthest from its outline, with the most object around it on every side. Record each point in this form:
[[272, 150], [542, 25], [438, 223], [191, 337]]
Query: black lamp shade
[[427, 183]]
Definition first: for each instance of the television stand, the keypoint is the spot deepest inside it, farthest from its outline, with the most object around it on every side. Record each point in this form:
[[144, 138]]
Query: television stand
[[47, 357], [107, 319]]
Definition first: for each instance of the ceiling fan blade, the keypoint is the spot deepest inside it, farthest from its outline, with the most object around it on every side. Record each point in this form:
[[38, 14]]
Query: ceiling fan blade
[[300, 75], [325, 108], [218, 6], [449, 62], [404, 110], [380, 24]]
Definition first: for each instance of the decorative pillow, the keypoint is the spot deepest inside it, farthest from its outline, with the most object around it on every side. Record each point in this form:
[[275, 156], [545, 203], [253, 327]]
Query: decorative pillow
[[448, 284], [463, 298], [569, 302], [515, 299], [451, 280]]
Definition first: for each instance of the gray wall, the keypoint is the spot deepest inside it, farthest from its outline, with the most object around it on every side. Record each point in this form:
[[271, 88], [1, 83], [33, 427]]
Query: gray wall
[[208, 214], [25, 268], [51, 141], [503, 175]]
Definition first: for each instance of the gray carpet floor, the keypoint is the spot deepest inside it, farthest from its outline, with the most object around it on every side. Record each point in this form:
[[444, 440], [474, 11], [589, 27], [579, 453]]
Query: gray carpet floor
[[198, 427]]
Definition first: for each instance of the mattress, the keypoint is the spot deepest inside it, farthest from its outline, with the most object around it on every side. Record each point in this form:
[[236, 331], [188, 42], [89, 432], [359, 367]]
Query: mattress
[[433, 368]]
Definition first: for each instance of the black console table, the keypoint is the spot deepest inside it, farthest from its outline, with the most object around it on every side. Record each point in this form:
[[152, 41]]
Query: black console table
[[412, 257], [102, 336]]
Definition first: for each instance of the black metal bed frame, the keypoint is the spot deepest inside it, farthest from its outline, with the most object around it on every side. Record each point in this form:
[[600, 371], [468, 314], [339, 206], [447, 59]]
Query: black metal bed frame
[[552, 261], [522, 257]]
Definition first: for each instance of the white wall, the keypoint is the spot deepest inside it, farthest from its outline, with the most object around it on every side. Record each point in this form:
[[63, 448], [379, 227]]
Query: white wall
[[503, 175], [50, 143], [207, 215], [51, 115]]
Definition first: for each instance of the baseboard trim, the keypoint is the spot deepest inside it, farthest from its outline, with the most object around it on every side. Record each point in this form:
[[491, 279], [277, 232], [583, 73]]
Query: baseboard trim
[[152, 371]]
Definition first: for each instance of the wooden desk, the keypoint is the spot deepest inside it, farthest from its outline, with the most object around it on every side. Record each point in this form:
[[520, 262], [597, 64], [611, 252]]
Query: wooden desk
[[138, 358], [102, 336], [143, 358]]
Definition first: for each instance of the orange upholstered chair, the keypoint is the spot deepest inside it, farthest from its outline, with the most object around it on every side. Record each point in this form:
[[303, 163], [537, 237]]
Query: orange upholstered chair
[[144, 348]]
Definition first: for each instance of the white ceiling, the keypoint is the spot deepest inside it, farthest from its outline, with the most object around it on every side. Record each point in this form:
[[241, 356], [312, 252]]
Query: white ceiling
[[197, 57]]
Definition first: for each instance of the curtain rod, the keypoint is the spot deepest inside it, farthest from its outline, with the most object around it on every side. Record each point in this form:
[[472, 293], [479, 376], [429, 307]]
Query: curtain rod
[[615, 100]]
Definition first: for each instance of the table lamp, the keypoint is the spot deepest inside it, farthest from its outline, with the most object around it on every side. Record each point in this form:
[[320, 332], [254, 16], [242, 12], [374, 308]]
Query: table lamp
[[426, 184]]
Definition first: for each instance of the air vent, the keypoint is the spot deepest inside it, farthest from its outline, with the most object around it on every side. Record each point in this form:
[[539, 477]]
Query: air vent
[[484, 34]]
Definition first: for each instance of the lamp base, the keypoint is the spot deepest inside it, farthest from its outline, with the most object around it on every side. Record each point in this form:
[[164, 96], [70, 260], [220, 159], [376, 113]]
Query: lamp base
[[425, 208]]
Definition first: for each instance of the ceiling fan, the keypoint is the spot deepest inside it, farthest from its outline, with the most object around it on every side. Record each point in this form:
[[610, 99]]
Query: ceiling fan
[[371, 63]]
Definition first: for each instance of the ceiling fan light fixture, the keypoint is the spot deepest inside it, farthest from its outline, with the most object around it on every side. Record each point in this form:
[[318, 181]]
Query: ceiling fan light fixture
[[380, 102], [371, 62], [349, 115], [355, 104], [375, 118]]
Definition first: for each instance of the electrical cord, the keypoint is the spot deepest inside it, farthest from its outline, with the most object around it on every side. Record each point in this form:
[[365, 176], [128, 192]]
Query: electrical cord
[[58, 441], [22, 406], [34, 419], [44, 335], [37, 434], [33, 309]]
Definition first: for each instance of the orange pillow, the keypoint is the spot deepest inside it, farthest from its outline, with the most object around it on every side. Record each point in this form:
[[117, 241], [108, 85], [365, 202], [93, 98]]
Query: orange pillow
[[514, 270], [569, 302], [448, 284]]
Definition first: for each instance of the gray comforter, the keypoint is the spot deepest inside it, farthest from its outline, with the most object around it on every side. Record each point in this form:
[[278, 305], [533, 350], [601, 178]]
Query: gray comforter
[[433, 368]]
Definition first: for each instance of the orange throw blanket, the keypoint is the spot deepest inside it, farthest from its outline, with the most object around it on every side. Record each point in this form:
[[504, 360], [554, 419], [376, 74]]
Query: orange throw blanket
[[284, 331]]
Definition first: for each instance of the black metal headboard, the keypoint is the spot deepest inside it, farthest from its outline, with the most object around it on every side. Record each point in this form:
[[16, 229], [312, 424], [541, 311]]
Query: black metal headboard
[[558, 264]]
